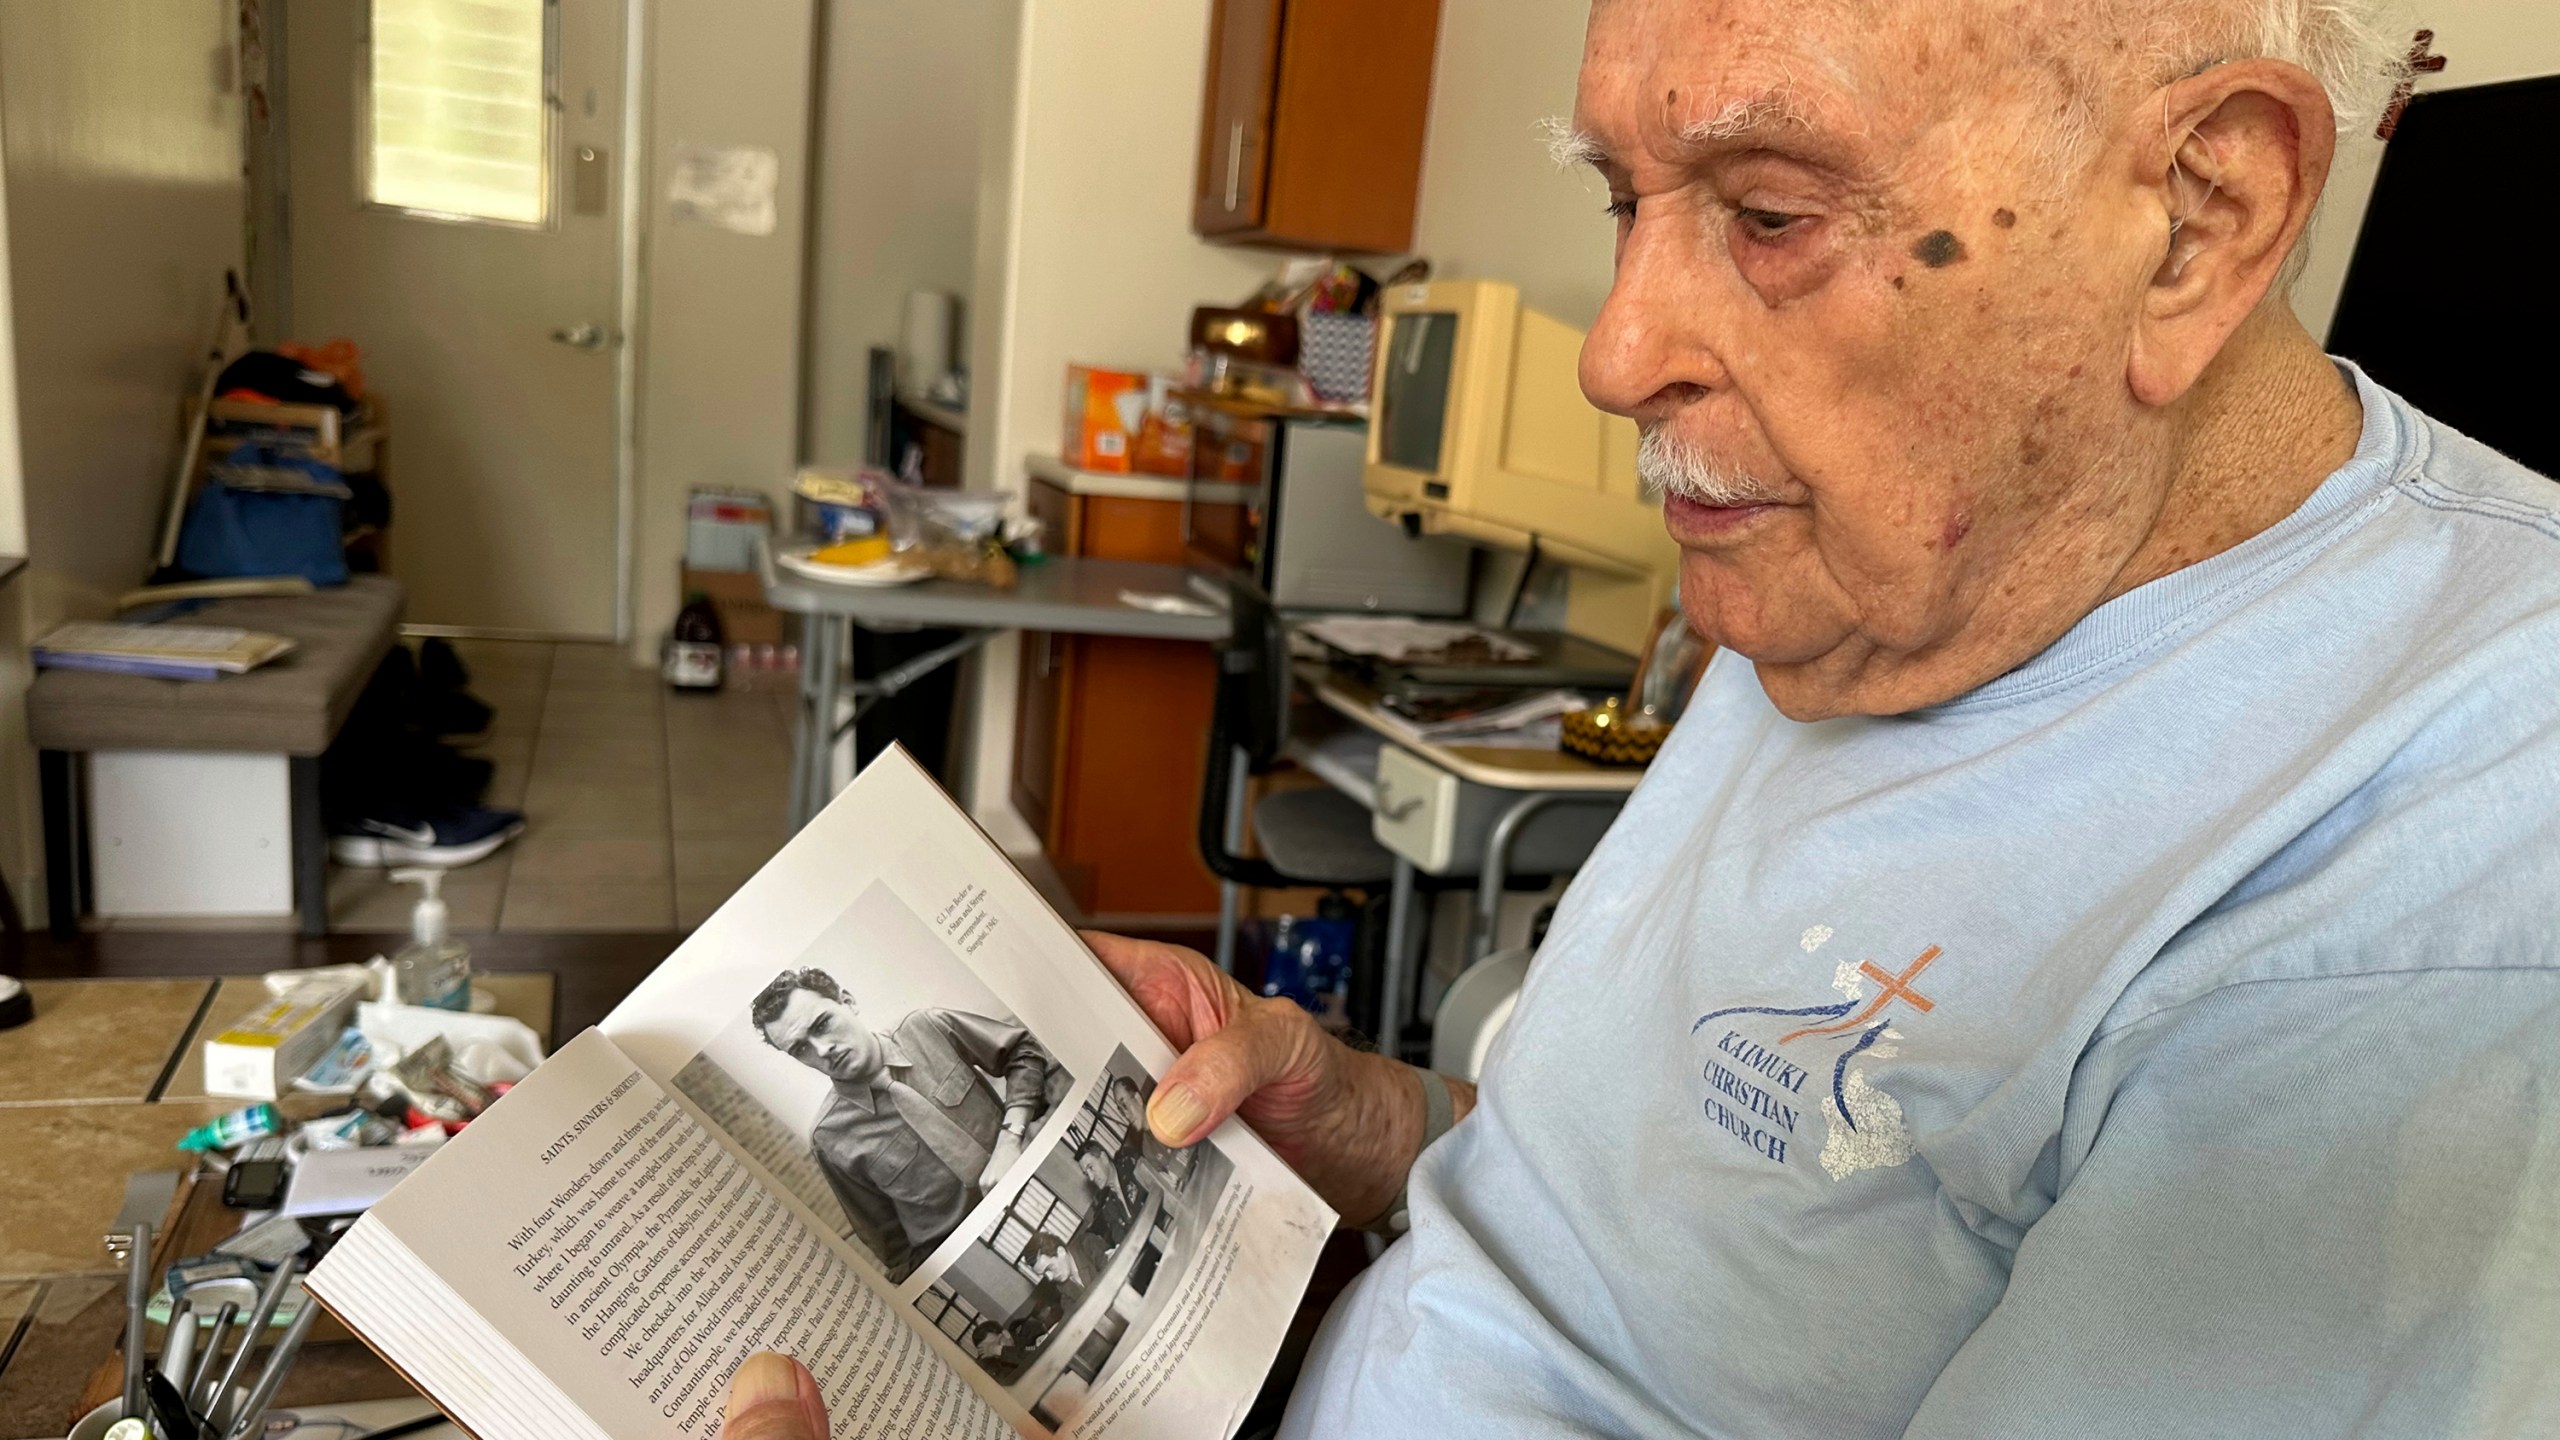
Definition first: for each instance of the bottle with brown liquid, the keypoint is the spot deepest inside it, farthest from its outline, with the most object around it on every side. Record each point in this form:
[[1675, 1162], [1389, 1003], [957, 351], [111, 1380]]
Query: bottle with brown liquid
[[695, 657]]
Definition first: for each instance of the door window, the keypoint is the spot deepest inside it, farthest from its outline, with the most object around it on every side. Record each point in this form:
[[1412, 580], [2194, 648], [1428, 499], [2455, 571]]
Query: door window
[[457, 108]]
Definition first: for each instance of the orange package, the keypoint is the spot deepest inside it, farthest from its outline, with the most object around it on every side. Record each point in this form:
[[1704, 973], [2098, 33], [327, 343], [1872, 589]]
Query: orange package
[[1105, 411], [1164, 439]]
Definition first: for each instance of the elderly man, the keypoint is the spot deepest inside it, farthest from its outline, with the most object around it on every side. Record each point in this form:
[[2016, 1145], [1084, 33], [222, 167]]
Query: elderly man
[[2084, 966], [922, 1119]]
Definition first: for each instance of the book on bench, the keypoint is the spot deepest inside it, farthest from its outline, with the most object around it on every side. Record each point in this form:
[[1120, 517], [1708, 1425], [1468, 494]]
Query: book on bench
[[800, 1134], [165, 652]]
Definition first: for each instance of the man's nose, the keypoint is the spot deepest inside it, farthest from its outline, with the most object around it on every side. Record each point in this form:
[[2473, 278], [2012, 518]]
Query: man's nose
[[1652, 349]]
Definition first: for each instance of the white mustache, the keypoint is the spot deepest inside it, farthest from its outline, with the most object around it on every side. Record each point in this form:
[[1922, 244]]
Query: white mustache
[[1669, 465]]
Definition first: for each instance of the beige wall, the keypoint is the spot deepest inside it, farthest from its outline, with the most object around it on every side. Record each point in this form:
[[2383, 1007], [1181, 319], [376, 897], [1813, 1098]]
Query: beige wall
[[21, 822], [1097, 259], [1086, 255], [721, 312], [897, 187], [123, 168], [119, 132], [1494, 206]]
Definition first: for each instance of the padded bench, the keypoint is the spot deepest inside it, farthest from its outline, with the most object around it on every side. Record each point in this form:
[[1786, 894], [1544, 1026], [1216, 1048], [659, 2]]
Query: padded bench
[[291, 706]]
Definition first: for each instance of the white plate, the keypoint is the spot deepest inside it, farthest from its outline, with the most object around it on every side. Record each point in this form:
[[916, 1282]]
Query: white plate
[[892, 571]]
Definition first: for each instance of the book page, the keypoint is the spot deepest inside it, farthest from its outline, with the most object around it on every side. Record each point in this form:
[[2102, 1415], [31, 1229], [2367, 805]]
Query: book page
[[635, 1262], [906, 1039]]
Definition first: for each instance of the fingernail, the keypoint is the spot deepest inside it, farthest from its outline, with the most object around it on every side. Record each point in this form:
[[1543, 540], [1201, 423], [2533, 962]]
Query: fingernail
[[1176, 1111], [764, 1379]]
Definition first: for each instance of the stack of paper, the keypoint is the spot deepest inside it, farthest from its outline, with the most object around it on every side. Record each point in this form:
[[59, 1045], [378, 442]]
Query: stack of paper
[[168, 652], [1400, 641]]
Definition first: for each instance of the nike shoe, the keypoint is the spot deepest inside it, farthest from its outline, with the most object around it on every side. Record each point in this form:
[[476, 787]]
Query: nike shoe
[[456, 839]]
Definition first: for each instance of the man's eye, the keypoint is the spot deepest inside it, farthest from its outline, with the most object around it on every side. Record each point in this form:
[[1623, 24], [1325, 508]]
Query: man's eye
[[1766, 225], [1622, 209]]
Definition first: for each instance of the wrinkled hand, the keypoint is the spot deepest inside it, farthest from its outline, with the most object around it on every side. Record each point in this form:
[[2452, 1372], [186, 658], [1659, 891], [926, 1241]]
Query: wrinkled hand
[[1008, 1148], [773, 1397], [1349, 1122]]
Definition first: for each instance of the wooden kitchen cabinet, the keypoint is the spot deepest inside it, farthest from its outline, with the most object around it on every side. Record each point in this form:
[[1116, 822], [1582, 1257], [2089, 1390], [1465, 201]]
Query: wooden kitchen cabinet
[[1111, 734], [1311, 130]]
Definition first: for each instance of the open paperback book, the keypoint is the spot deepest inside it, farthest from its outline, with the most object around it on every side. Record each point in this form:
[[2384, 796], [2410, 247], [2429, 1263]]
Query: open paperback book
[[884, 1112]]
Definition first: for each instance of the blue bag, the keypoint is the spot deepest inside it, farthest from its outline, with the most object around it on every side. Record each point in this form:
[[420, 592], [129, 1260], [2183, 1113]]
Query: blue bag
[[237, 534]]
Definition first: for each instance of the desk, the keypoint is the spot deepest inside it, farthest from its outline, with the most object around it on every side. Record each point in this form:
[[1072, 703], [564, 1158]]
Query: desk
[[1492, 765], [1062, 595], [1533, 782]]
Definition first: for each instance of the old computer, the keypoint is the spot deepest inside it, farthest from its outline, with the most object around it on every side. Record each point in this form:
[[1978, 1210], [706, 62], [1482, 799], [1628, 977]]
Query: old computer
[[1480, 430]]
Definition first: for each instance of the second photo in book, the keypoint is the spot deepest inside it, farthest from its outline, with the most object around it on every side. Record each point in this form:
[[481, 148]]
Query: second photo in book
[[880, 1081], [1087, 1254]]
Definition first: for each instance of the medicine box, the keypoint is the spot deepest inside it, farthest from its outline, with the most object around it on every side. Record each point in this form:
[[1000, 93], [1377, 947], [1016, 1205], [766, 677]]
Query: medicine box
[[257, 1056]]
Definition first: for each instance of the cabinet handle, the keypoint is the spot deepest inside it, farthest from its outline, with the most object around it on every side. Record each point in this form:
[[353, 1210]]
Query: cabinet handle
[[1235, 166]]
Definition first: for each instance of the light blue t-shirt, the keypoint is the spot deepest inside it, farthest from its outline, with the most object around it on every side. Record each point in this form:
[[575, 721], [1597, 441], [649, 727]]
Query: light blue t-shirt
[[2161, 1040]]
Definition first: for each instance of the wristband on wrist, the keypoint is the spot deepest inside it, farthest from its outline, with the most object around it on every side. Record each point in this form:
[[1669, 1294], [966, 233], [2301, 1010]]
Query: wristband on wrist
[[1438, 1112]]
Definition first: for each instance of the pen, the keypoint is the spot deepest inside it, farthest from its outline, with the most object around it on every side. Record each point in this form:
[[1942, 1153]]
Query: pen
[[217, 1406], [279, 1360], [201, 1381], [137, 1300], [405, 1427]]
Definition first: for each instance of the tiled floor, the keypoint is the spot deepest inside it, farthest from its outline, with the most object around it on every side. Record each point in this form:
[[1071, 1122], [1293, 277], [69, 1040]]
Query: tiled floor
[[643, 809]]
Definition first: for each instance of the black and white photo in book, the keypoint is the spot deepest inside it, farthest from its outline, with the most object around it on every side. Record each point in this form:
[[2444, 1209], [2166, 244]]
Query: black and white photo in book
[[880, 1081], [1050, 1296]]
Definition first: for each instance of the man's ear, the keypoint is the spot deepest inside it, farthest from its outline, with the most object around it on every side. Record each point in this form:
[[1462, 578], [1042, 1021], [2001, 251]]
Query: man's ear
[[2244, 150]]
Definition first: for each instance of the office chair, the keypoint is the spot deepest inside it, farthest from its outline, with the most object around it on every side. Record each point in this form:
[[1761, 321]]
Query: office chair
[[1313, 838]]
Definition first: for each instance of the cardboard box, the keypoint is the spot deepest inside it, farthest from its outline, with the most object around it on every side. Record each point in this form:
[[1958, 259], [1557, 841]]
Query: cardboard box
[[721, 528], [739, 597], [257, 1056], [1105, 411]]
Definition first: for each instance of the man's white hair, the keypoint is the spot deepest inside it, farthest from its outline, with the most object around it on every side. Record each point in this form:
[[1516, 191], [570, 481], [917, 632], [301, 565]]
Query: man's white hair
[[2357, 49]]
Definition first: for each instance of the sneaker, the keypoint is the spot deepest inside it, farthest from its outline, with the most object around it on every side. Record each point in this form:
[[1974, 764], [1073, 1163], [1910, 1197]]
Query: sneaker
[[455, 716], [457, 839]]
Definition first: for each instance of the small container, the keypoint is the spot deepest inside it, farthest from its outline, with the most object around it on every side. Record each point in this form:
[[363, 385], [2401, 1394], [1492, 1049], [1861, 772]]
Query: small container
[[1310, 962], [1610, 734], [434, 970]]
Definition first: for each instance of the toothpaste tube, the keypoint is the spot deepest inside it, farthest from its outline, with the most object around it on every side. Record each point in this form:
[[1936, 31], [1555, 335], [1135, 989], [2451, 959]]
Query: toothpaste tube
[[224, 1131]]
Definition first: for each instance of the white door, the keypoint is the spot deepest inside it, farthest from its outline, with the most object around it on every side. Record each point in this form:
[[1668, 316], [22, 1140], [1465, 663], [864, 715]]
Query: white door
[[454, 204]]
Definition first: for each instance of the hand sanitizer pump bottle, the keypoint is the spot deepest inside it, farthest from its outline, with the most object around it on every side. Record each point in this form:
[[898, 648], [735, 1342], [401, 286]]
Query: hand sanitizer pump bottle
[[434, 970]]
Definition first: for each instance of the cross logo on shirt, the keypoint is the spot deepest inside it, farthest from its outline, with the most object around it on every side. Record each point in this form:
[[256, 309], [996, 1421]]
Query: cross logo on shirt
[[1895, 987]]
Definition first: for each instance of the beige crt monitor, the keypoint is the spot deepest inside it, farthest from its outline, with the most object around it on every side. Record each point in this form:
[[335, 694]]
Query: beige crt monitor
[[1480, 430]]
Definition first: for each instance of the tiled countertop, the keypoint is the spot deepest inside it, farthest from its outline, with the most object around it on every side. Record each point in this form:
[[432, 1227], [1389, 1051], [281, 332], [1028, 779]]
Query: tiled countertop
[[100, 1085]]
